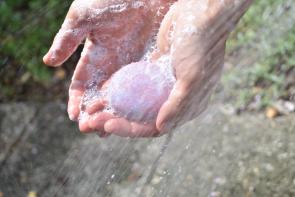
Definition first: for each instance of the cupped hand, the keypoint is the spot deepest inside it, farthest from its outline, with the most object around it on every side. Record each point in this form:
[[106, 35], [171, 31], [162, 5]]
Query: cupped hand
[[117, 33], [193, 33]]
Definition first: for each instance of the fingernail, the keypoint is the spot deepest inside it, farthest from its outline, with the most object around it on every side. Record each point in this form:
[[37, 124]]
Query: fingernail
[[72, 117], [46, 58], [83, 126], [71, 114], [50, 59]]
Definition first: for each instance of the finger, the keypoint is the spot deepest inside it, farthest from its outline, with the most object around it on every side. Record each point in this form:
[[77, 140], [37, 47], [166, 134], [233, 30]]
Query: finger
[[124, 128], [78, 85], [95, 123], [85, 73], [66, 41], [98, 103], [95, 106], [84, 126], [76, 93], [98, 120], [187, 100], [90, 74]]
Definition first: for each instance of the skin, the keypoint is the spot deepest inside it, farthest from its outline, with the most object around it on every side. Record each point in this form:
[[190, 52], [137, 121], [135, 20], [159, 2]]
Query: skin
[[196, 45]]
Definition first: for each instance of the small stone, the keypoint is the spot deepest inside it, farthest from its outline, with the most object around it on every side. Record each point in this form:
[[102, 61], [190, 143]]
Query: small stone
[[283, 156], [269, 167], [256, 171], [285, 107], [220, 180], [1, 194], [23, 179], [25, 77], [190, 178], [245, 183], [156, 180], [215, 194], [228, 109]]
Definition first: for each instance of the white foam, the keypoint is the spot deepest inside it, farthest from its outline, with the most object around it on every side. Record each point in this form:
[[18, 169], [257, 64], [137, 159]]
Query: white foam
[[138, 4]]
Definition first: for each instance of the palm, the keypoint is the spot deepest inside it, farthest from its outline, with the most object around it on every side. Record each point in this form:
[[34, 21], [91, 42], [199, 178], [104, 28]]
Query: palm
[[116, 32]]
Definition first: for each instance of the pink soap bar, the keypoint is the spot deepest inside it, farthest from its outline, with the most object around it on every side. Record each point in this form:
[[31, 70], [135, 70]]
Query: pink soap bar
[[138, 90]]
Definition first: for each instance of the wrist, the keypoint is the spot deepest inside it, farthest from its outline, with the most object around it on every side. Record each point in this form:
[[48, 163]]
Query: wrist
[[228, 7], [224, 15]]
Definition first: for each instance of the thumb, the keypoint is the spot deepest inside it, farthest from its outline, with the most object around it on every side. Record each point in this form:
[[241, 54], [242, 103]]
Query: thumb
[[171, 109], [66, 41], [164, 40]]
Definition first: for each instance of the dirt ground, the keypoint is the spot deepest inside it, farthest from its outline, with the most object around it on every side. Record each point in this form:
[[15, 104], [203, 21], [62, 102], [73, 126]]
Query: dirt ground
[[219, 154]]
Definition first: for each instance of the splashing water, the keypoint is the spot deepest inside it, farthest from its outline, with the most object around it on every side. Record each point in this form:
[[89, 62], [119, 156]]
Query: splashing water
[[222, 155]]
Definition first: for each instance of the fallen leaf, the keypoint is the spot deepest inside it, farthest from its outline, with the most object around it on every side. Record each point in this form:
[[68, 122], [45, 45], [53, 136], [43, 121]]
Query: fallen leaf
[[25, 77], [32, 194], [60, 74], [271, 112]]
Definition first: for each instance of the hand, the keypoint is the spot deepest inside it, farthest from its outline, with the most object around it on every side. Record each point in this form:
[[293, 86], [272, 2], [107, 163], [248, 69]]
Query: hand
[[117, 33], [194, 33], [198, 31]]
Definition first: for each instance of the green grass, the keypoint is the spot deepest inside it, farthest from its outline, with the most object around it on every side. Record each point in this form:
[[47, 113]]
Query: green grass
[[26, 30], [266, 34]]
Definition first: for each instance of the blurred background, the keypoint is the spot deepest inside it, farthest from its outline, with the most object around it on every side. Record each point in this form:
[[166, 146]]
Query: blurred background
[[244, 144]]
